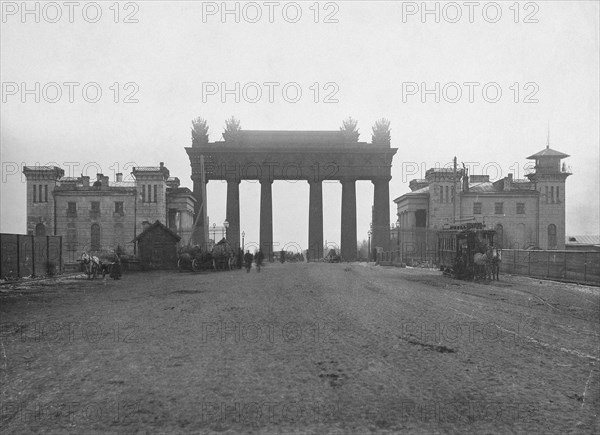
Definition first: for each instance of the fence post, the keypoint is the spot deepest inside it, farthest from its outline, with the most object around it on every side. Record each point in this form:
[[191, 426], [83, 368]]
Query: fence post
[[529, 263], [514, 261], [565, 266], [585, 266], [548, 264]]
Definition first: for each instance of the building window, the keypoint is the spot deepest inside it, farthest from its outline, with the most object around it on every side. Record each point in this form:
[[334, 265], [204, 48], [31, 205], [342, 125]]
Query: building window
[[421, 218], [499, 208], [476, 208], [551, 236], [40, 197], [45, 193], [547, 198], [40, 229], [557, 194], [552, 194], [447, 196], [72, 209], [155, 190], [441, 193], [95, 237], [71, 243], [95, 210], [143, 193], [452, 193], [520, 208], [119, 208], [34, 193]]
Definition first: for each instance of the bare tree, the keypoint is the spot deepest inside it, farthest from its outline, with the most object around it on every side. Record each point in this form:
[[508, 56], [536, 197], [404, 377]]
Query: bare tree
[[232, 130], [381, 132], [349, 130], [199, 131]]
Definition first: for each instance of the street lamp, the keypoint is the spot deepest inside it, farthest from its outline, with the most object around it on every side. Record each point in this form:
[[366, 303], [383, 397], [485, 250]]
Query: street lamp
[[243, 235], [225, 226]]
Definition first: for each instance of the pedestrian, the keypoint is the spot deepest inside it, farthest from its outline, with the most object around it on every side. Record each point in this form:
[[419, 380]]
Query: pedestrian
[[248, 257], [259, 259], [115, 270], [282, 256]]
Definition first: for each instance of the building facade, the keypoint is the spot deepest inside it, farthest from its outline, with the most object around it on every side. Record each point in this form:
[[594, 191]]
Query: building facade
[[526, 213], [105, 215]]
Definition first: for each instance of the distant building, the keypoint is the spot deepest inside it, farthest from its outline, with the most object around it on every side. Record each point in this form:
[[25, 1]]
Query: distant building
[[103, 214], [526, 213], [582, 243]]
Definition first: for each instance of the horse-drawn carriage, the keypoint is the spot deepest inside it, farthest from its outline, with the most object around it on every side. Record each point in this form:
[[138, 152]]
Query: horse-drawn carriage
[[221, 257], [467, 251], [101, 262]]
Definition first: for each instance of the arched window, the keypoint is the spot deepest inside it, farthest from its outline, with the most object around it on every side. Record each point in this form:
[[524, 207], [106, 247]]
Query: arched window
[[95, 239], [499, 236], [40, 229], [552, 236]]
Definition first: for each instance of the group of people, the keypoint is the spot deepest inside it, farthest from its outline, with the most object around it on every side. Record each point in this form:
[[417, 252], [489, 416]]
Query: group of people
[[257, 258]]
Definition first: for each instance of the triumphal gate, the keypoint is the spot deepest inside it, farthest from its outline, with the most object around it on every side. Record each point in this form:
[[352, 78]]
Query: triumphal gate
[[312, 156]]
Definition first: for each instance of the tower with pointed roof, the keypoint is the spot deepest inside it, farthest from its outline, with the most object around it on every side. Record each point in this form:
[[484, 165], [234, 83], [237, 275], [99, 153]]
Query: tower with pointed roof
[[550, 180]]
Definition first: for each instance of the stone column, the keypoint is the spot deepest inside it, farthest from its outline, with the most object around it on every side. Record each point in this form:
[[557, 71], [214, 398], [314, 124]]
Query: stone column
[[199, 226], [233, 213], [381, 213], [315, 221], [266, 219], [348, 239]]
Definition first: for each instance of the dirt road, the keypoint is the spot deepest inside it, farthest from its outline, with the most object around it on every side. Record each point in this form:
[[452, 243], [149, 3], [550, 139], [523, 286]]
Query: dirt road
[[300, 348]]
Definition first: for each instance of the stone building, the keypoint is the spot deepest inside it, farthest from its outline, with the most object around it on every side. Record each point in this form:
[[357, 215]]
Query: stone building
[[104, 214], [526, 213]]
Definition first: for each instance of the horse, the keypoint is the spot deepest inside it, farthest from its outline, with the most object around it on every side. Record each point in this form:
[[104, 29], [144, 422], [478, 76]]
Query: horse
[[496, 259], [480, 265], [91, 263]]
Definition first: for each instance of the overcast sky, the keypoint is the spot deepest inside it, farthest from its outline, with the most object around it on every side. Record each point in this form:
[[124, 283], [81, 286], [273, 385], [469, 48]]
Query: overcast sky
[[361, 64]]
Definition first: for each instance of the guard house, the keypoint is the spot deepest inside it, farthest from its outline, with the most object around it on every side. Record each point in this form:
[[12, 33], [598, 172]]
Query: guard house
[[526, 213]]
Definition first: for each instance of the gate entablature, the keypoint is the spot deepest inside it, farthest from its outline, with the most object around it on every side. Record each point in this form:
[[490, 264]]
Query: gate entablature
[[313, 156]]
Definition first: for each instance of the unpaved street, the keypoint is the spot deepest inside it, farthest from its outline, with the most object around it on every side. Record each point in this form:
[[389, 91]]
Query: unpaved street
[[305, 348]]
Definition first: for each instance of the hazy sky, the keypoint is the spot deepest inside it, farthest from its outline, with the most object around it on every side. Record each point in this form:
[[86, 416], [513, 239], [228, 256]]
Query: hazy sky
[[361, 63]]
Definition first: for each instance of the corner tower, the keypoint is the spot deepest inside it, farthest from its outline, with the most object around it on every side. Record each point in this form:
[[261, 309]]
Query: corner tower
[[549, 178]]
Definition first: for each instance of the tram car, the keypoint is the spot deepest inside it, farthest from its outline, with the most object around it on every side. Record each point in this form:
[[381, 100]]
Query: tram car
[[457, 246]]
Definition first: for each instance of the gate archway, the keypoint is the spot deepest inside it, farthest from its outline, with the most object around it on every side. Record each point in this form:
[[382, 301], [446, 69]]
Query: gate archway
[[312, 156]]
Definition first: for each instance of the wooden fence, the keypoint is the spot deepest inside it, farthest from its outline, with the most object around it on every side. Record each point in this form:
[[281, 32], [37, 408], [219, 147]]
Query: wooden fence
[[24, 255], [572, 266]]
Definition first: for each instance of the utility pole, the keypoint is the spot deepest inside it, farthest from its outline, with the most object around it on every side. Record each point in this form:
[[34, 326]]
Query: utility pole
[[454, 194]]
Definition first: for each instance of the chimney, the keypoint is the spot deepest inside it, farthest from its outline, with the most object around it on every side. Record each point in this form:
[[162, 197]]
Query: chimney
[[105, 180], [479, 178], [99, 177], [162, 165], [85, 181], [119, 177], [417, 184]]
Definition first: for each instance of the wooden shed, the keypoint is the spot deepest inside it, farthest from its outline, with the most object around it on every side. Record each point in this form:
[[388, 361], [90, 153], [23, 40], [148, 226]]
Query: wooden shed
[[157, 247]]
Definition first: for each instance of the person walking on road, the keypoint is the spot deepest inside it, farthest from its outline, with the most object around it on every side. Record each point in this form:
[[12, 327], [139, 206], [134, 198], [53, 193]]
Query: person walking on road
[[248, 257], [259, 259]]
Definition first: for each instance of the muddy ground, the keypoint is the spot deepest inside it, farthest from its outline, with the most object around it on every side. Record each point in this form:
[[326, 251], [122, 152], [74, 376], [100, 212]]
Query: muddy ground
[[299, 348]]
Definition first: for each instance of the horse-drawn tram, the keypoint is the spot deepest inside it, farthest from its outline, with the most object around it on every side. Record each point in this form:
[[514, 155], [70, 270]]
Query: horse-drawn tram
[[467, 251], [221, 257]]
